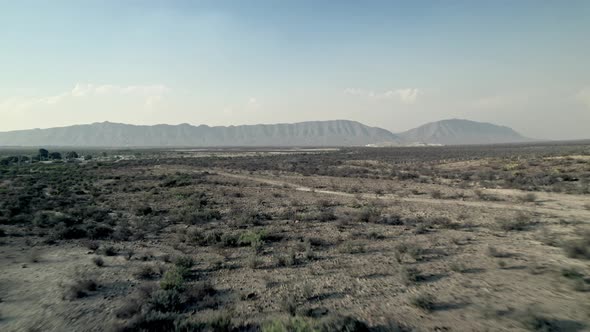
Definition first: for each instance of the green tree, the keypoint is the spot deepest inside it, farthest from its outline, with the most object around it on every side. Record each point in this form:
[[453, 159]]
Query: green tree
[[43, 154], [55, 156], [71, 155]]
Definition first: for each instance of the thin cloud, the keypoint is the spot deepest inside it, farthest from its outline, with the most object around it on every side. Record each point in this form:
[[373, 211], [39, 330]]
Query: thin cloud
[[81, 90], [406, 96], [152, 94]]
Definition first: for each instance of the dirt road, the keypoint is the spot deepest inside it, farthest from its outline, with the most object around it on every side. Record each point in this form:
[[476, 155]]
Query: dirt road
[[558, 205]]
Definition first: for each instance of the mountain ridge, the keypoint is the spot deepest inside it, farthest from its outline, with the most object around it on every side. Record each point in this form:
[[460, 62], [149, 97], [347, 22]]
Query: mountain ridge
[[103, 134], [307, 133]]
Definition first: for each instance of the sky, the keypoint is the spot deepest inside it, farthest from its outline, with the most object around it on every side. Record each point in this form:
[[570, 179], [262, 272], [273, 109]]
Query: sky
[[391, 64]]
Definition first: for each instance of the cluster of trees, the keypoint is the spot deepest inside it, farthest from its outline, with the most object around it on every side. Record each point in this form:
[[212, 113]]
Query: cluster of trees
[[46, 155], [14, 160], [42, 155]]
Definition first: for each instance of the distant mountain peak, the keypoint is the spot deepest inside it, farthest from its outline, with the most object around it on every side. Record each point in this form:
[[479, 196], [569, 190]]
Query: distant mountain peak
[[461, 131]]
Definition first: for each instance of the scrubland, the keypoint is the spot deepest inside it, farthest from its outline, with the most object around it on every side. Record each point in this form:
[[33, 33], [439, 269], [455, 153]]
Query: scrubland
[[478, 238]]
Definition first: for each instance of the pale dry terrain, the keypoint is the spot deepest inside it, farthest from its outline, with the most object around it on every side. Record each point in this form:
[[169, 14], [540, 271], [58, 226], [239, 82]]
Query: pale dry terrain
[[350, 240]]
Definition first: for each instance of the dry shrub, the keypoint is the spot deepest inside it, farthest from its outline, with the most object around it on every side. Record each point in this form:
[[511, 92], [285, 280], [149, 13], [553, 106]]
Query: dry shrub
[[424, 301], [578, 248], [98, 261], [80, 289]]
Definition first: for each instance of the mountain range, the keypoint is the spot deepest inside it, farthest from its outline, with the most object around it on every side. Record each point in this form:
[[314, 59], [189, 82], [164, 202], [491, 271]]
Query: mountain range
[[312, 133]]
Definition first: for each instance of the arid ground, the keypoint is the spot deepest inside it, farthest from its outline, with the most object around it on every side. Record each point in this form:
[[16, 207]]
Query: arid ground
[[479, 238]]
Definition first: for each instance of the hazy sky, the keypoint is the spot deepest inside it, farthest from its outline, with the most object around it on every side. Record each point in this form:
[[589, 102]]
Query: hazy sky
[[525, 64]]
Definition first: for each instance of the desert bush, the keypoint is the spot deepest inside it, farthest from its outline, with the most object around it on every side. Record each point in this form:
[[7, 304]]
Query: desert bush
[[203, 239], [289, 305], [92, 245], [288, 259], [214, 322], [369, 213], [144, 210], [390, 219], [254, 261], [410, 275], [144, 272], [79, 289], [578, 248], [581, 285], [152, 321], [250, 217], [326, 215], [64, 232], [185, 262], [97, 231], [166, 300], [47, 219], [408, 248], [309, 253], [129, 254], [533, 320], [580, 282], [228, 240], [109, 251], [203, 216], [98, 261], [442, 222], [399, 251], [528, 198], [253, 239], [124, 233], [571, 273], [294, 324], [548, 238], [166, 258], [374, 235], [486, 197], [341, 323], [130, 308], [352, 247], [174, 278], [424, 301], [331, 323], [520, 222]]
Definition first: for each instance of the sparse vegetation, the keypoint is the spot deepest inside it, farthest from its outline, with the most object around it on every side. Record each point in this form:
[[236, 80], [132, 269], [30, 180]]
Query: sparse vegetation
[[80, 288], [520, 222], [529, 197], [410, 275], [174, 278], [578, 248], [229, 240], [424, 301], [98, 261], [533, 320], [145, 272]]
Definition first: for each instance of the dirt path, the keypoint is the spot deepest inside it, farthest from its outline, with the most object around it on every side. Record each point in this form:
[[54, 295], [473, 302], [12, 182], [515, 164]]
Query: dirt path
[[556, 209]]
